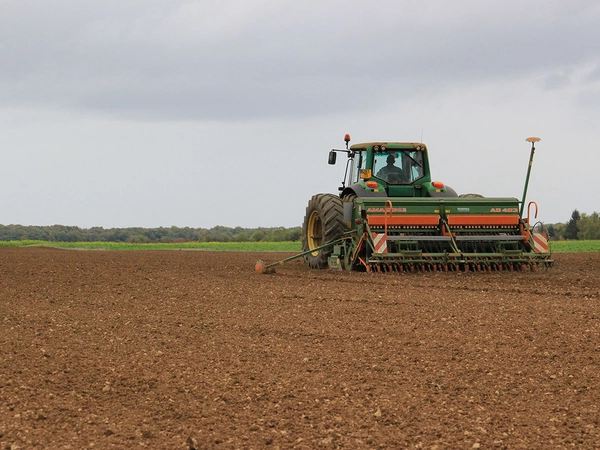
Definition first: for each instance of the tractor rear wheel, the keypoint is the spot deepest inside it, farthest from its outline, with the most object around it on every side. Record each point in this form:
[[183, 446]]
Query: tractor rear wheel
[[323, 223], [470, 196]]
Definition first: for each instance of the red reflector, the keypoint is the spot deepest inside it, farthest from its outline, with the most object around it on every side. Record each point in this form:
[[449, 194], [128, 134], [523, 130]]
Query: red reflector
[[438, 185], [372, 184]]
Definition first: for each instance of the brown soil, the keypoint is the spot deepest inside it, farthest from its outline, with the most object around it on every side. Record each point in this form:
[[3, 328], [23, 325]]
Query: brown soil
[[192, 349]]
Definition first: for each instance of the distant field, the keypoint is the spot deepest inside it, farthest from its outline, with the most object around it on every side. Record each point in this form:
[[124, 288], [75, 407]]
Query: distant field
[[555, 246], [224, 246], [574, 246]]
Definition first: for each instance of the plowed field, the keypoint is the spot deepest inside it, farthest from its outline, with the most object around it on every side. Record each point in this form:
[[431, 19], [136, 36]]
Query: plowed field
[[193, 349]]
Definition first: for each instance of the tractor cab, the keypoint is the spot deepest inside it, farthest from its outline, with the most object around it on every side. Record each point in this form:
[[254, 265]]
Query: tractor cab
[[398, 166], [389, 169]]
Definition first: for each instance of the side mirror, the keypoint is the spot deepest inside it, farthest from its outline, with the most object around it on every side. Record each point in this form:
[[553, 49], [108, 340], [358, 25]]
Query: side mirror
[[332, 157]]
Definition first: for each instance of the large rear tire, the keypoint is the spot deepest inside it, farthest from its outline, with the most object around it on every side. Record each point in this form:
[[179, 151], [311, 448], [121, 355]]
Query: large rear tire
[[470, 196], [323, 223]]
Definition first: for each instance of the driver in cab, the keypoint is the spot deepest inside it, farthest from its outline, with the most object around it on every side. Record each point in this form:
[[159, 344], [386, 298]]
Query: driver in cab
[[390, 172]]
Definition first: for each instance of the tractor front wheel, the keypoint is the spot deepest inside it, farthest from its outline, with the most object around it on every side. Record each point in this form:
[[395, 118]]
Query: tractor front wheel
[[323, 223]]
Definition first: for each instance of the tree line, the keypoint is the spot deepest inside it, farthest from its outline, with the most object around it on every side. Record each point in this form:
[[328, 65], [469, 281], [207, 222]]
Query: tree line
[[580, 226], [62, 233]]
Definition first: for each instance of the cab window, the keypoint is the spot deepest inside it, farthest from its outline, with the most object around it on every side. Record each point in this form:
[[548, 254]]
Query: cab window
[[398, 166]]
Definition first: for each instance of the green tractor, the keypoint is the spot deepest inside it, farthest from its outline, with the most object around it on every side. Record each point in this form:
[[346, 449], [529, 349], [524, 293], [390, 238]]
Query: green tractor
[[390, 215]]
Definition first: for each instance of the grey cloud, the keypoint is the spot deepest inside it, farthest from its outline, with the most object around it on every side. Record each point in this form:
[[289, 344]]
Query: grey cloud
[[556, 81], [594, 74], [233, 60], [589, 98]]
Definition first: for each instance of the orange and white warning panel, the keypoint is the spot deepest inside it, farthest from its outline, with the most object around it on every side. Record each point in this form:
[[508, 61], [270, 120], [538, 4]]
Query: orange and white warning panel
[[380, 241], [540, 241]]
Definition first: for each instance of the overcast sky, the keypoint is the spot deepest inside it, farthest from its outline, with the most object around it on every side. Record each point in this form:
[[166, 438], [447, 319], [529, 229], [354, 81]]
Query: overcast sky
[[122, 113]]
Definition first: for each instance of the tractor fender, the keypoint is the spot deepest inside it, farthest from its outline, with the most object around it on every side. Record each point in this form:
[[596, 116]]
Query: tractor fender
[[449, 192], [360, 191]]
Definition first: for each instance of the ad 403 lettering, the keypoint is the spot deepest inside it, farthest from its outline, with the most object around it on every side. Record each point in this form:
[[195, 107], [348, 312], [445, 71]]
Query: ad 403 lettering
[[504, 210]]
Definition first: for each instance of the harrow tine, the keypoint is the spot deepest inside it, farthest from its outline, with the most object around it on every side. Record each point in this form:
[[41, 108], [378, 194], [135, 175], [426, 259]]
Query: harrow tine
[[429, 264]]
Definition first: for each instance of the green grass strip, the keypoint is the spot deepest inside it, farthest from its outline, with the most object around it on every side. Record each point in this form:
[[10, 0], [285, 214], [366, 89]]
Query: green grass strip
[[574, 246], [555, 246], [219, 246]]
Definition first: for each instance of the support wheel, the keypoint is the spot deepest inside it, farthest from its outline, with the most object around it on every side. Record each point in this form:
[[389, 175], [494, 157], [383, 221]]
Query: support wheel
[[323, 223]]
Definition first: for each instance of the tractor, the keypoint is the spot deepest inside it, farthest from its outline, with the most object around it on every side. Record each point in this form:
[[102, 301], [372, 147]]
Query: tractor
[[389, 215]]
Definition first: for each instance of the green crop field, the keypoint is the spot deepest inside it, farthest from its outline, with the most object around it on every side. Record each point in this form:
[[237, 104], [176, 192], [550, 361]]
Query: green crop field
[[555, 246], [574, 246], [220, 246]]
